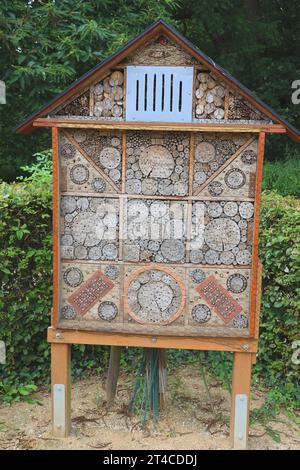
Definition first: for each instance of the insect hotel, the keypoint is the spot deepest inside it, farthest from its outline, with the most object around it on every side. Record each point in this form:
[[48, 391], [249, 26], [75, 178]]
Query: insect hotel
[[157, 169]]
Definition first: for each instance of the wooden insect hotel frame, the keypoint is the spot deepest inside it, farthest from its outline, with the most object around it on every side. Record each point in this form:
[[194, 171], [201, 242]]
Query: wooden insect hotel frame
[[157, 168]]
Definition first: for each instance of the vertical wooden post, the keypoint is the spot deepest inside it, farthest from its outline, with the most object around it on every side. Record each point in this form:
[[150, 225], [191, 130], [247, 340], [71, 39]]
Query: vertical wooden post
[[113, 373], [255, 269], [61, 389], [240, 400], [55, 226]]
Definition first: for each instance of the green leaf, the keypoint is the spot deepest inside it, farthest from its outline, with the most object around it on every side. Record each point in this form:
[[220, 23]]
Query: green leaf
[[19, 234]]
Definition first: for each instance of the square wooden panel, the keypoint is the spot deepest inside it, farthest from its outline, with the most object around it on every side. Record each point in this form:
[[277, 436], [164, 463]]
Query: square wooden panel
[[220, 232], [91, 160], [236, 176], [154, 295], [157, 163], [234, 283], [98, 286], [91, 291], [155, 230], [89, 228], [219, 299]]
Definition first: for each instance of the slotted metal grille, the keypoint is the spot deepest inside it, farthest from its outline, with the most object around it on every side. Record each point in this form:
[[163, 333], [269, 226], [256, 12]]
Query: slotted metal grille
[[159, 94]]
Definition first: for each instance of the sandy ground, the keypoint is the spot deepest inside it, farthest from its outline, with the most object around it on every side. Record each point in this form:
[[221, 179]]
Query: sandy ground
[[186, 423]]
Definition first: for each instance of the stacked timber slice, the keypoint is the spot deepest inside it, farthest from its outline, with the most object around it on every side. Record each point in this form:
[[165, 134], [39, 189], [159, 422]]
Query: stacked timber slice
[[108, 96], [210, 97]]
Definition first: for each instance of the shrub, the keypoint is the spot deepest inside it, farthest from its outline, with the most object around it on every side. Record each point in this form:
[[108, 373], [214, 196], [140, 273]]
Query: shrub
[[280, 319], [26, 281], [25, 266], [283, 176]]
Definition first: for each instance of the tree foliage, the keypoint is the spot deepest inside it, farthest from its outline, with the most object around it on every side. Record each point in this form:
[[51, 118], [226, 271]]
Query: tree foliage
[[47, 44]]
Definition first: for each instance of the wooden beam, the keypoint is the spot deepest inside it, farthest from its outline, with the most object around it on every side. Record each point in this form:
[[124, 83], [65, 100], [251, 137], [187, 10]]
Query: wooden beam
[[159, 126], [255, 260], [163, 198], [191, 164], [61, 388], [151, 341], [55, 226], [174, 265], [241, 382]]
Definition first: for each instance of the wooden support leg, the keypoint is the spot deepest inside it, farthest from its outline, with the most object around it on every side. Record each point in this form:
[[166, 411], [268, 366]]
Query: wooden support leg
[[113, 373], [61, 389], [240, 404]]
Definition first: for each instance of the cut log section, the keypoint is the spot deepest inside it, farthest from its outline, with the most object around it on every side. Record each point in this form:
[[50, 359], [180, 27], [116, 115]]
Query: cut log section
[[108, 96], [209, 98]]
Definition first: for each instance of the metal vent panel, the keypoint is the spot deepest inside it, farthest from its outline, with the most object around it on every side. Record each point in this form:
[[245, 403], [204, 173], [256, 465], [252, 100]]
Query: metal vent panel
[[159, 94]]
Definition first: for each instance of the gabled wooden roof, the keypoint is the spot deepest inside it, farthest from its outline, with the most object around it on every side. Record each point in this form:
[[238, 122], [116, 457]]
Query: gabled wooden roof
[[159, 27]]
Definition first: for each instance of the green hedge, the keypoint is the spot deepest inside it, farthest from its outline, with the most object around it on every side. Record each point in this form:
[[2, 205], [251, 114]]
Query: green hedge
[[280, 321], [25, 299], [283, 176]]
